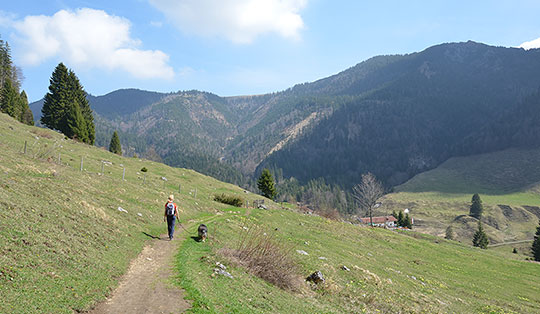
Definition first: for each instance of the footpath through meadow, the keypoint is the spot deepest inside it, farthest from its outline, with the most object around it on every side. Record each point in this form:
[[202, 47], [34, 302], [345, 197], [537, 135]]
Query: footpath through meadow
[[148, 286]]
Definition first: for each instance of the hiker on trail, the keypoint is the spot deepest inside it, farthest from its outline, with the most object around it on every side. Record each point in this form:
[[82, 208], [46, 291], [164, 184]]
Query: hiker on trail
[[171, 214]]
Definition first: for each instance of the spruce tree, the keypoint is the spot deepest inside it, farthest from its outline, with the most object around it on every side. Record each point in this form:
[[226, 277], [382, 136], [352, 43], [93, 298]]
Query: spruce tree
[[407, 221], [76, 125], [536, 244], [65, 100], [9, 100], [265, 183], [79, 95], [476, 208], [6, 65], [480, 238], [114, 146], [27, 117], [400, 219], [57, 101]]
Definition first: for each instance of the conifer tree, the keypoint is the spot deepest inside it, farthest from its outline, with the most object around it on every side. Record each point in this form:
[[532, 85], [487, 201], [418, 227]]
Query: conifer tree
[[400, 219], [79, 95], [65, 100], [480, 238], [76, 125], [536, 244], [476, 208], [407, 221], [6, 65], [114, 146], [9, 100], [265, 183], [56, 103], [27, 117]]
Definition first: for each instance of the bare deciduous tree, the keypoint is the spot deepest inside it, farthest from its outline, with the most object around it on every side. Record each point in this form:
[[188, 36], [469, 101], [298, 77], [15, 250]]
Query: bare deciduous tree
[[367, 193]]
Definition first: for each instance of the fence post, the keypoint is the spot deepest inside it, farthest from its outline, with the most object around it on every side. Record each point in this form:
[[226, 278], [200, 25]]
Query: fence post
[[82, 162], [25, 147], [124, 174], [179, 188], [195, 193]]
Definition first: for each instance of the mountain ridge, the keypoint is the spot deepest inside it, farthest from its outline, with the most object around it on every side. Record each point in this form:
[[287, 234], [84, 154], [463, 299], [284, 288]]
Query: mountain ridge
[[409, 113]]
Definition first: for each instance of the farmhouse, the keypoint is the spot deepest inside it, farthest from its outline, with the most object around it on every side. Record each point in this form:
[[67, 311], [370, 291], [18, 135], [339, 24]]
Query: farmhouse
[[381, 221]]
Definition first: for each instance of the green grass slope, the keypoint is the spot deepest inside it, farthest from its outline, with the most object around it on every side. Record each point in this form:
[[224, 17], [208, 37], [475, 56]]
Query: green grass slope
[[64, 243], [508, 184]]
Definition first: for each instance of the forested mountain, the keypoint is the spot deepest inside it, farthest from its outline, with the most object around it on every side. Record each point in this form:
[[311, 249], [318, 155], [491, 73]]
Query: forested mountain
[[395, 116]]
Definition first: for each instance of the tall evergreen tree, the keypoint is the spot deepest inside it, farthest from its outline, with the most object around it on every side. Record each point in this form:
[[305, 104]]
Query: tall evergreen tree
[[480, 238], [27, 117], [65, 100], [476, 208], [407, 221], [400, 219], [6, 65], [115, 146], [57, 100], [79, 95], [536, 244], [76, 124], [9, 100], [265, 183]]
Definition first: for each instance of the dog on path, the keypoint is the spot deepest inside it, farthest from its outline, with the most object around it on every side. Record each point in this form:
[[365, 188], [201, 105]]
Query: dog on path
[[203, 232]]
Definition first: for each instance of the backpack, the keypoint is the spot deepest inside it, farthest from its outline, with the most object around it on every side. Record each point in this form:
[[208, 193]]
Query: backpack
[[170, 209]]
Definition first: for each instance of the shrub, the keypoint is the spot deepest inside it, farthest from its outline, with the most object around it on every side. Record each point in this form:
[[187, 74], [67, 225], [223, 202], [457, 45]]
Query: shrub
[[331, 214], [265, 258], [229, 199]]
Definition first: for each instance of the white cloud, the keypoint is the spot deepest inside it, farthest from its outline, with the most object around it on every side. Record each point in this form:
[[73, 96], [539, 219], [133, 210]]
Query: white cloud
[[530, 44], [88, 38], [240, 21]]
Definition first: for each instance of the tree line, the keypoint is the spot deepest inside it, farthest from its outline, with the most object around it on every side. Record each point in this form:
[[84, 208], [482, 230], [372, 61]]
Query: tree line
[[12, 102]]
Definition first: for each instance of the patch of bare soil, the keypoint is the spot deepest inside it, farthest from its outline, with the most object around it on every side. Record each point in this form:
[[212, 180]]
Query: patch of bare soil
[[147, 287]]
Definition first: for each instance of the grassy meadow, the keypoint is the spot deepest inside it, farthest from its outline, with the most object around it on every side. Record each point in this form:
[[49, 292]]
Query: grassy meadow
[[64, 243], [507, 182]]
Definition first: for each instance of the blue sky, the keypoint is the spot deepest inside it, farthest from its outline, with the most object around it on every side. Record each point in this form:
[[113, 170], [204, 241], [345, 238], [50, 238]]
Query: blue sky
[[239, 47]]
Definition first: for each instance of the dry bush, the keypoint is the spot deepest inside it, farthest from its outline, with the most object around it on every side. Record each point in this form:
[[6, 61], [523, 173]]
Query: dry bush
[[265, 258], [330, 214], [229, 199], [42, 133]]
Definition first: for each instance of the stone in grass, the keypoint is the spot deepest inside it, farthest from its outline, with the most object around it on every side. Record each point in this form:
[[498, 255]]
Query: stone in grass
[[316, 277], [302, 252], [219, 271], [218, 264], [345, 268], [120, 209]]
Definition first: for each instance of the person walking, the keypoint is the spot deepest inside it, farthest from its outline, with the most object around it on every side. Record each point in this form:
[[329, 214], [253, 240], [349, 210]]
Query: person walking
[[171, 214]]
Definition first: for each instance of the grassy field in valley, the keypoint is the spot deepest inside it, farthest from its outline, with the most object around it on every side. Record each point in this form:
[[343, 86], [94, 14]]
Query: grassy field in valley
[[508, 184]]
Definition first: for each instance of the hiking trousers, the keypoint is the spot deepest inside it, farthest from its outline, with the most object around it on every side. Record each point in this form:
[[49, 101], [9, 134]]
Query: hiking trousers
[[170, 225]]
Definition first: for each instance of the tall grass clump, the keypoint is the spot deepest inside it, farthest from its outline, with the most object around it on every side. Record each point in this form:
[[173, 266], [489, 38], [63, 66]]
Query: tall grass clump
[[229, 199], [265, 258]]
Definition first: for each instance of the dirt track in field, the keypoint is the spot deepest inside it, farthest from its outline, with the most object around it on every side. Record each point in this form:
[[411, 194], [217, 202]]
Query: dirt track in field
[[148, 287]]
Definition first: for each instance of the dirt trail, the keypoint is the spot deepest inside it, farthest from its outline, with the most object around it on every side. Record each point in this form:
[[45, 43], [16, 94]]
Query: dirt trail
[[147, 286]]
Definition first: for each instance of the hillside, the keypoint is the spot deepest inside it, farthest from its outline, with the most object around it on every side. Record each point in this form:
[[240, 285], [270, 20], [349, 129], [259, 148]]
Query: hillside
[[507, 181], [64, 243], [395, 116]]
